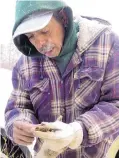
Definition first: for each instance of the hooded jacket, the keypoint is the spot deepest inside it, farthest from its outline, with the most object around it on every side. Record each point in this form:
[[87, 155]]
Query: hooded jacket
[[87, 92]]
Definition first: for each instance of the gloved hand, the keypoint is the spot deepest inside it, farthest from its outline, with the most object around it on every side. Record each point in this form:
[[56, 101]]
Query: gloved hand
[[46, 152], [58, 136]]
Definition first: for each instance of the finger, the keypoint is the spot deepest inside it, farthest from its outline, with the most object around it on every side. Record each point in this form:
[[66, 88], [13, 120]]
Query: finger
[[25, 126], [25, 138], [22, 125], [22, 132], [22, 137], [18, 134], [21, 142]]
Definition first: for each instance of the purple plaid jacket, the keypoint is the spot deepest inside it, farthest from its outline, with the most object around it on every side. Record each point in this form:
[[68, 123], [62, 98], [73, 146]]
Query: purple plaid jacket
[[88, 91]]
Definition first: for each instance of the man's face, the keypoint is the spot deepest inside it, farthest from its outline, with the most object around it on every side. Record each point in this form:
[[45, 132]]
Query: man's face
[[49, 40]]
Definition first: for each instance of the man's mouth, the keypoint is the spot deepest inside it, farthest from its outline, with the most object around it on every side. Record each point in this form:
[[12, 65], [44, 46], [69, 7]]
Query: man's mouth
[[48, 52]]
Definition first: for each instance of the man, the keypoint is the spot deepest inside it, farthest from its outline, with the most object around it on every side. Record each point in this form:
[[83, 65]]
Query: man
[[69, 68]]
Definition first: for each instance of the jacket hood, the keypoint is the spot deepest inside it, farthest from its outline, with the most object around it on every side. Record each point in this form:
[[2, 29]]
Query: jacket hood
[[90, 29]]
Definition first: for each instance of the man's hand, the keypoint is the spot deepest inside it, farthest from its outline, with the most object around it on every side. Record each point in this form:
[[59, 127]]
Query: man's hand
[[22, 134]]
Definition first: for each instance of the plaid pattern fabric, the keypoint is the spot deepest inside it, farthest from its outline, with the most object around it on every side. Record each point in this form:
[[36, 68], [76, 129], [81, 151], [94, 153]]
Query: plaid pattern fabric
[[87, 93]]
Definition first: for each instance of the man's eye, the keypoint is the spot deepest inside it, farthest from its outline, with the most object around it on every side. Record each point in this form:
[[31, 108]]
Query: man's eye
[[45, 32], [29, 37]]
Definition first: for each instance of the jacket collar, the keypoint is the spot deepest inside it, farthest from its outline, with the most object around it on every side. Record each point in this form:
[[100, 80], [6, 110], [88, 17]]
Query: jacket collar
[[90, 30]]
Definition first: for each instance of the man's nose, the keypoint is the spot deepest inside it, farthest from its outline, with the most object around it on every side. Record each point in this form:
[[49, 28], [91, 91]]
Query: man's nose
[[39, 42]]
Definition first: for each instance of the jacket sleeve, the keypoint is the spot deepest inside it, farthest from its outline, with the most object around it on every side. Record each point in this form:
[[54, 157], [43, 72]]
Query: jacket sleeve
[[19, 106], [102, 121]]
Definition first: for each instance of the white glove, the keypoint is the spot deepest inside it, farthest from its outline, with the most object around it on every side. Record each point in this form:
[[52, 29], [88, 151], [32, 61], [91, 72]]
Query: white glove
[[59, 135], [46, 152]]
